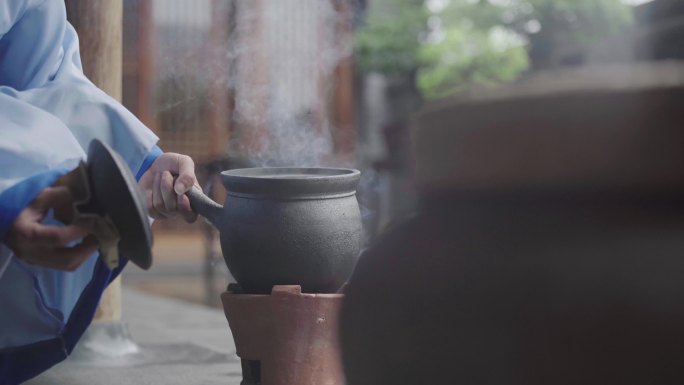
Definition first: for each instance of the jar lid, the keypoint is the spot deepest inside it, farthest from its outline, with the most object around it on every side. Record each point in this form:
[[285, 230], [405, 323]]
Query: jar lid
[[610, 128]]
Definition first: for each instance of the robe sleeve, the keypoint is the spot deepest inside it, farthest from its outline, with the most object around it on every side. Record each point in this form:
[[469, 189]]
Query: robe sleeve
[[29, 56], [41, 66], [49, 110]]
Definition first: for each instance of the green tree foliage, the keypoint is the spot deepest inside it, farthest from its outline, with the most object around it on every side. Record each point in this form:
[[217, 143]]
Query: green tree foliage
[[390, 40], [582, 21], [466, 55], [463, 42]]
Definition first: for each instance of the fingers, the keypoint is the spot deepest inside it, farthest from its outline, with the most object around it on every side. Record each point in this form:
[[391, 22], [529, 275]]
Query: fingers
[[165, 184], [45, 245], [185, 209], [167, 192], [158, 207], [186, 175], [180, 165], [149, 195], [66, 258], [52, 197], [73, 257], [55, 235], [163, 196]]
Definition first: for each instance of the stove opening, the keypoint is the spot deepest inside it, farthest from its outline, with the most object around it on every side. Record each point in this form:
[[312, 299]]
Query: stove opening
[[251, 372]]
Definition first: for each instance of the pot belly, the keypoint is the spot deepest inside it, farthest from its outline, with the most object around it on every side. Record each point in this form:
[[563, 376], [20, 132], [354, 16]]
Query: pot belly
[[313, 243]]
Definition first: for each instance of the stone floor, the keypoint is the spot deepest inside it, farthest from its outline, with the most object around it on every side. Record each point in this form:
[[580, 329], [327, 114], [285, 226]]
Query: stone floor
[[175, 343], [178, 270]]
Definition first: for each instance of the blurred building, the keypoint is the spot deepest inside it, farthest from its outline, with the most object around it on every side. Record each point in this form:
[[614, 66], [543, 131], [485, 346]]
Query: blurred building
[[655, 36], [199, 72], [237, 81]]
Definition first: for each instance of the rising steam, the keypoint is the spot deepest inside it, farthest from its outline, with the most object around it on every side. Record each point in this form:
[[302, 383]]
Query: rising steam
[[284, 54]]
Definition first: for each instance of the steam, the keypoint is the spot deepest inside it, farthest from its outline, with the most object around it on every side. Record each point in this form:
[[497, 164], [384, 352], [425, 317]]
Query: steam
[[284, 54], [276, 62]]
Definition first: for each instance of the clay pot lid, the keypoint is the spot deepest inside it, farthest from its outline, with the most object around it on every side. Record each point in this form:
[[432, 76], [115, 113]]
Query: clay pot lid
[[116, 194], [291, 182], [610, 128]]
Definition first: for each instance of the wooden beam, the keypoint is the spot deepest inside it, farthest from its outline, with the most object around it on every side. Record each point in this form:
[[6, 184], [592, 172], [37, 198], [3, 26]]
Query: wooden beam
[[219, 108], [99, 27], [146, 65], [343, 114]]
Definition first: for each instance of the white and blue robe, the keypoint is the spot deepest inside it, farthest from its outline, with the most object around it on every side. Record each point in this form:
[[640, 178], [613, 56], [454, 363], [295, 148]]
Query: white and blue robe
[[49, 113]]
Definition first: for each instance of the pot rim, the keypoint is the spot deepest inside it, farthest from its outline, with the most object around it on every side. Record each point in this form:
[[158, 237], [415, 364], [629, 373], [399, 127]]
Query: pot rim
[[273, 182]]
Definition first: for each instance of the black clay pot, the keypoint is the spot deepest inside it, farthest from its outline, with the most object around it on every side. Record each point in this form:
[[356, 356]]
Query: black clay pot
[[287, 226]]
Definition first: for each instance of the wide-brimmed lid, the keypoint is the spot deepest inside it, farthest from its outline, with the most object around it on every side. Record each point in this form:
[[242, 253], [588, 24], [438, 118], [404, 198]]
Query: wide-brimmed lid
[[614, 128], [291, 182]]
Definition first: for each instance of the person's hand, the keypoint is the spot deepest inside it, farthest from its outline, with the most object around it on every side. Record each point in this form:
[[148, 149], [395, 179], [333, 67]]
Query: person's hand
[[165, 184], [46, 245]]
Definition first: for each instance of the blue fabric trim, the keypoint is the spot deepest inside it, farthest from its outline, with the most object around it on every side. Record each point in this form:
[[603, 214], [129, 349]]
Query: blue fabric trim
[[19, 364], [17, 197], [22, 363], [149, 159]]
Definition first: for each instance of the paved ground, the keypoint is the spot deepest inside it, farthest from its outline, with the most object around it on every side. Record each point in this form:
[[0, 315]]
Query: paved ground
[[178, 269], [177, 343], [175, 338]]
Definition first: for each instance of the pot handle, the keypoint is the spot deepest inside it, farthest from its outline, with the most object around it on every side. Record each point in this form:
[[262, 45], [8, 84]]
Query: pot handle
[[205, 206]]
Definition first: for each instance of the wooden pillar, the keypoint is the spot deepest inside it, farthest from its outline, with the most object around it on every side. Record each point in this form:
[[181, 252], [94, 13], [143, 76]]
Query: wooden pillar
[[344, 127], [251, 97], [145, 50], [99, 28], [219, 108]]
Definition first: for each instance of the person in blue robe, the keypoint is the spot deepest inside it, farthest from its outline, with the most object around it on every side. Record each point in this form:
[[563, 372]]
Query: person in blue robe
[[51, 277]]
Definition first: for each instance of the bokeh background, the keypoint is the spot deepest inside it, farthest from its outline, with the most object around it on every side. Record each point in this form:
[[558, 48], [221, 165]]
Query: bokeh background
[[241, 83]]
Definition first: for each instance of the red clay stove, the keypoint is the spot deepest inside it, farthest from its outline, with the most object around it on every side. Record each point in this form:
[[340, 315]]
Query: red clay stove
[[287, 337]]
